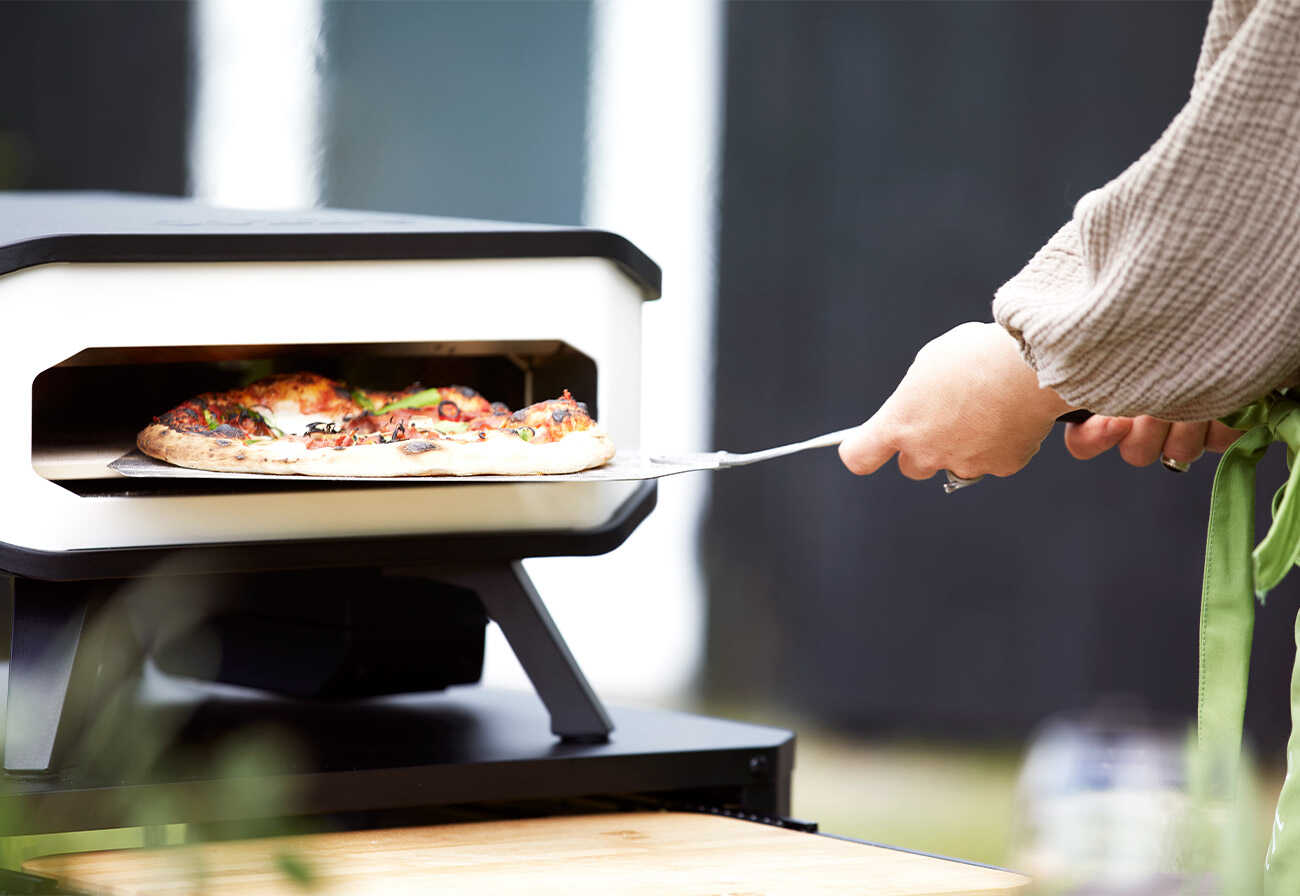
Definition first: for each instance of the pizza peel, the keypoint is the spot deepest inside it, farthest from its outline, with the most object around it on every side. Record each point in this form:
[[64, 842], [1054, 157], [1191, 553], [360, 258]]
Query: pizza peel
[[625, 466]]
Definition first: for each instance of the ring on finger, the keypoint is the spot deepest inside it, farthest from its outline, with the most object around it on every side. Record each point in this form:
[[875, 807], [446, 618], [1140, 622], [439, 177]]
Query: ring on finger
[[1174, 466], [954, 482]]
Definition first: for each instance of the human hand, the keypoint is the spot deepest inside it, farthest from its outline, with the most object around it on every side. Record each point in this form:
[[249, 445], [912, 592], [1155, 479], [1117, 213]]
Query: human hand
[[969, 404], [1142, 440]]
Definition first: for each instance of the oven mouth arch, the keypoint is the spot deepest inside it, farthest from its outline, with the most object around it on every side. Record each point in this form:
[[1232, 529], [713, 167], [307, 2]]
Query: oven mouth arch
[[87, 409]]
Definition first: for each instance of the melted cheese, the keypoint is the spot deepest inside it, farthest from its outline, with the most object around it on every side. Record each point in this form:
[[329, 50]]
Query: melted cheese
[[446, 427], [290, 421]]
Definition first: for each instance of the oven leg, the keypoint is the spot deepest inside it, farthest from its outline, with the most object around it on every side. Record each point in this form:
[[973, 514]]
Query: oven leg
[[508, 596], [48, 625], [59, 677]]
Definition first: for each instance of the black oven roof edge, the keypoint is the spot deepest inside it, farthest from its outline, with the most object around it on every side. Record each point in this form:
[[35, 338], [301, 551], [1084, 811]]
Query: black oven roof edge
[[457, 549], [43, 227]]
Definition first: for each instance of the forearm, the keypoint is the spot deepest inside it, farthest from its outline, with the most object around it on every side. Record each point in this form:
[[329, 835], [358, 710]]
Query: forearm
[[1175, 290]]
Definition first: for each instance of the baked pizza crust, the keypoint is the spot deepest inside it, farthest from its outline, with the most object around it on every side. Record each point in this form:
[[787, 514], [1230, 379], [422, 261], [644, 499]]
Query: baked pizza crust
[[502, 454]]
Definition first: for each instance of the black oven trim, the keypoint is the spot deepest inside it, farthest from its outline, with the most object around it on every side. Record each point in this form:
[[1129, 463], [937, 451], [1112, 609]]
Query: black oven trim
[[41, 228]]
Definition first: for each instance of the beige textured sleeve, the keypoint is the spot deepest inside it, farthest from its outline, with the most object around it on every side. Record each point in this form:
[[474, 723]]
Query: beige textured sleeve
[[1175, 288]]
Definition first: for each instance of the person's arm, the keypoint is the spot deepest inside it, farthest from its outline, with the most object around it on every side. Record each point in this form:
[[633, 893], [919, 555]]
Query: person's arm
[[1175, 289], [969, 404]]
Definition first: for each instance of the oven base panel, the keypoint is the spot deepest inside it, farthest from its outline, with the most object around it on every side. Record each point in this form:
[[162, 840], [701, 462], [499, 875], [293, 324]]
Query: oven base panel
[[262, 556], [467, 745]]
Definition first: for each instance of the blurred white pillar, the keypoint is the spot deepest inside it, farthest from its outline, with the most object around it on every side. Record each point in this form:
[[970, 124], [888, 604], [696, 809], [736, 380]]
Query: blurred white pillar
[[255, 135], [635, 618]]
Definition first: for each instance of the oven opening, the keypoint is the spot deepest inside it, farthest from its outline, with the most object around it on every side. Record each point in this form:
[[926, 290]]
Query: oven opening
[[87, 409]]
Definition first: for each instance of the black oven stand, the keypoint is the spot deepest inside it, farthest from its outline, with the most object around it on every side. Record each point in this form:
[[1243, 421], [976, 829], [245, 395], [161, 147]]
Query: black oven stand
[[65, 635], [98, 737]]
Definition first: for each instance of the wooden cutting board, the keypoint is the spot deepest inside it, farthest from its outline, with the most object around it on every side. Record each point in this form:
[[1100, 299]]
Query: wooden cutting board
[[625, 853]]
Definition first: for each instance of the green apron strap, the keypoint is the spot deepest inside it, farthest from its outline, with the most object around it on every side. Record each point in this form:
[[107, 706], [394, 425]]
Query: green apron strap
[[1280, 549], [1282, 864], [1228, 597], [1234, 575]]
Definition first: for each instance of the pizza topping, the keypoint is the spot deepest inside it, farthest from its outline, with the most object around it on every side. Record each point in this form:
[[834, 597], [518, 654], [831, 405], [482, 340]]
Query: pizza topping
[[312, 412], [426, 398], [256, 417], [363, 400]]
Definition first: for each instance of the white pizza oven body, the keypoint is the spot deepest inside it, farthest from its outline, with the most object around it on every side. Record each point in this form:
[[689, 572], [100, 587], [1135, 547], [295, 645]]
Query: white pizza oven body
[[83, 323], [116, 309]]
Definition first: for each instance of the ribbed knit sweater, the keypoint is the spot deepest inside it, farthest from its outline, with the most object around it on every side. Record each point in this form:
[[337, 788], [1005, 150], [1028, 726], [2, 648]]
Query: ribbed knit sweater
[[1175, 288]]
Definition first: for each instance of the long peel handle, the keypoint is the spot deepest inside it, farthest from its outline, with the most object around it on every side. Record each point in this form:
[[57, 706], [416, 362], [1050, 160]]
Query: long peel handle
[[729, 459]]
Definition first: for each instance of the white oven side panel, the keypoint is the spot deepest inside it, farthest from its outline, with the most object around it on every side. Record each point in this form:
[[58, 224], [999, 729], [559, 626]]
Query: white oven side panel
[[53, 311]]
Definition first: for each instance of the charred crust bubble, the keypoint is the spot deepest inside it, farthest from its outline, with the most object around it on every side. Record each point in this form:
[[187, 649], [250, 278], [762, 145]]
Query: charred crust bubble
[[327, 428], [419, 446], [519, 416], [582, 408], [228, 431], [560, 416], [464, 390], [500, 408]]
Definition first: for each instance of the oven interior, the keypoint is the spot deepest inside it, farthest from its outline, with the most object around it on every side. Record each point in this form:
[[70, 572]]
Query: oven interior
[[87, 409]]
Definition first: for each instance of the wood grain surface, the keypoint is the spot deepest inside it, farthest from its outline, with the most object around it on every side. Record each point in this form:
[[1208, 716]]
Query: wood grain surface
[[620, 853]]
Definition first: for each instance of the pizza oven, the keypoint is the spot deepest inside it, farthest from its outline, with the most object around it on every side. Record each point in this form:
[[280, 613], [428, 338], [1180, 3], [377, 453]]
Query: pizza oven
[[348, 611], [119, 308]]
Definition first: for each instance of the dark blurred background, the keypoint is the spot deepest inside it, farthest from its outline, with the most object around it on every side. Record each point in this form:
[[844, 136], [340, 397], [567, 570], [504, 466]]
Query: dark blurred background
[[886, 167], [883, 168], [95, 95]]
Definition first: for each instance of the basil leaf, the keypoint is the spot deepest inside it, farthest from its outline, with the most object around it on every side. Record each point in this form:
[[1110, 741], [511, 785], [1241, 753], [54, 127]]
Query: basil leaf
[[364, 400], [275, 430], [426, 399]]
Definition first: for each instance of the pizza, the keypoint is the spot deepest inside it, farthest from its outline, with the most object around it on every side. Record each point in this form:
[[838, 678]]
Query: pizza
[[303, 423]]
